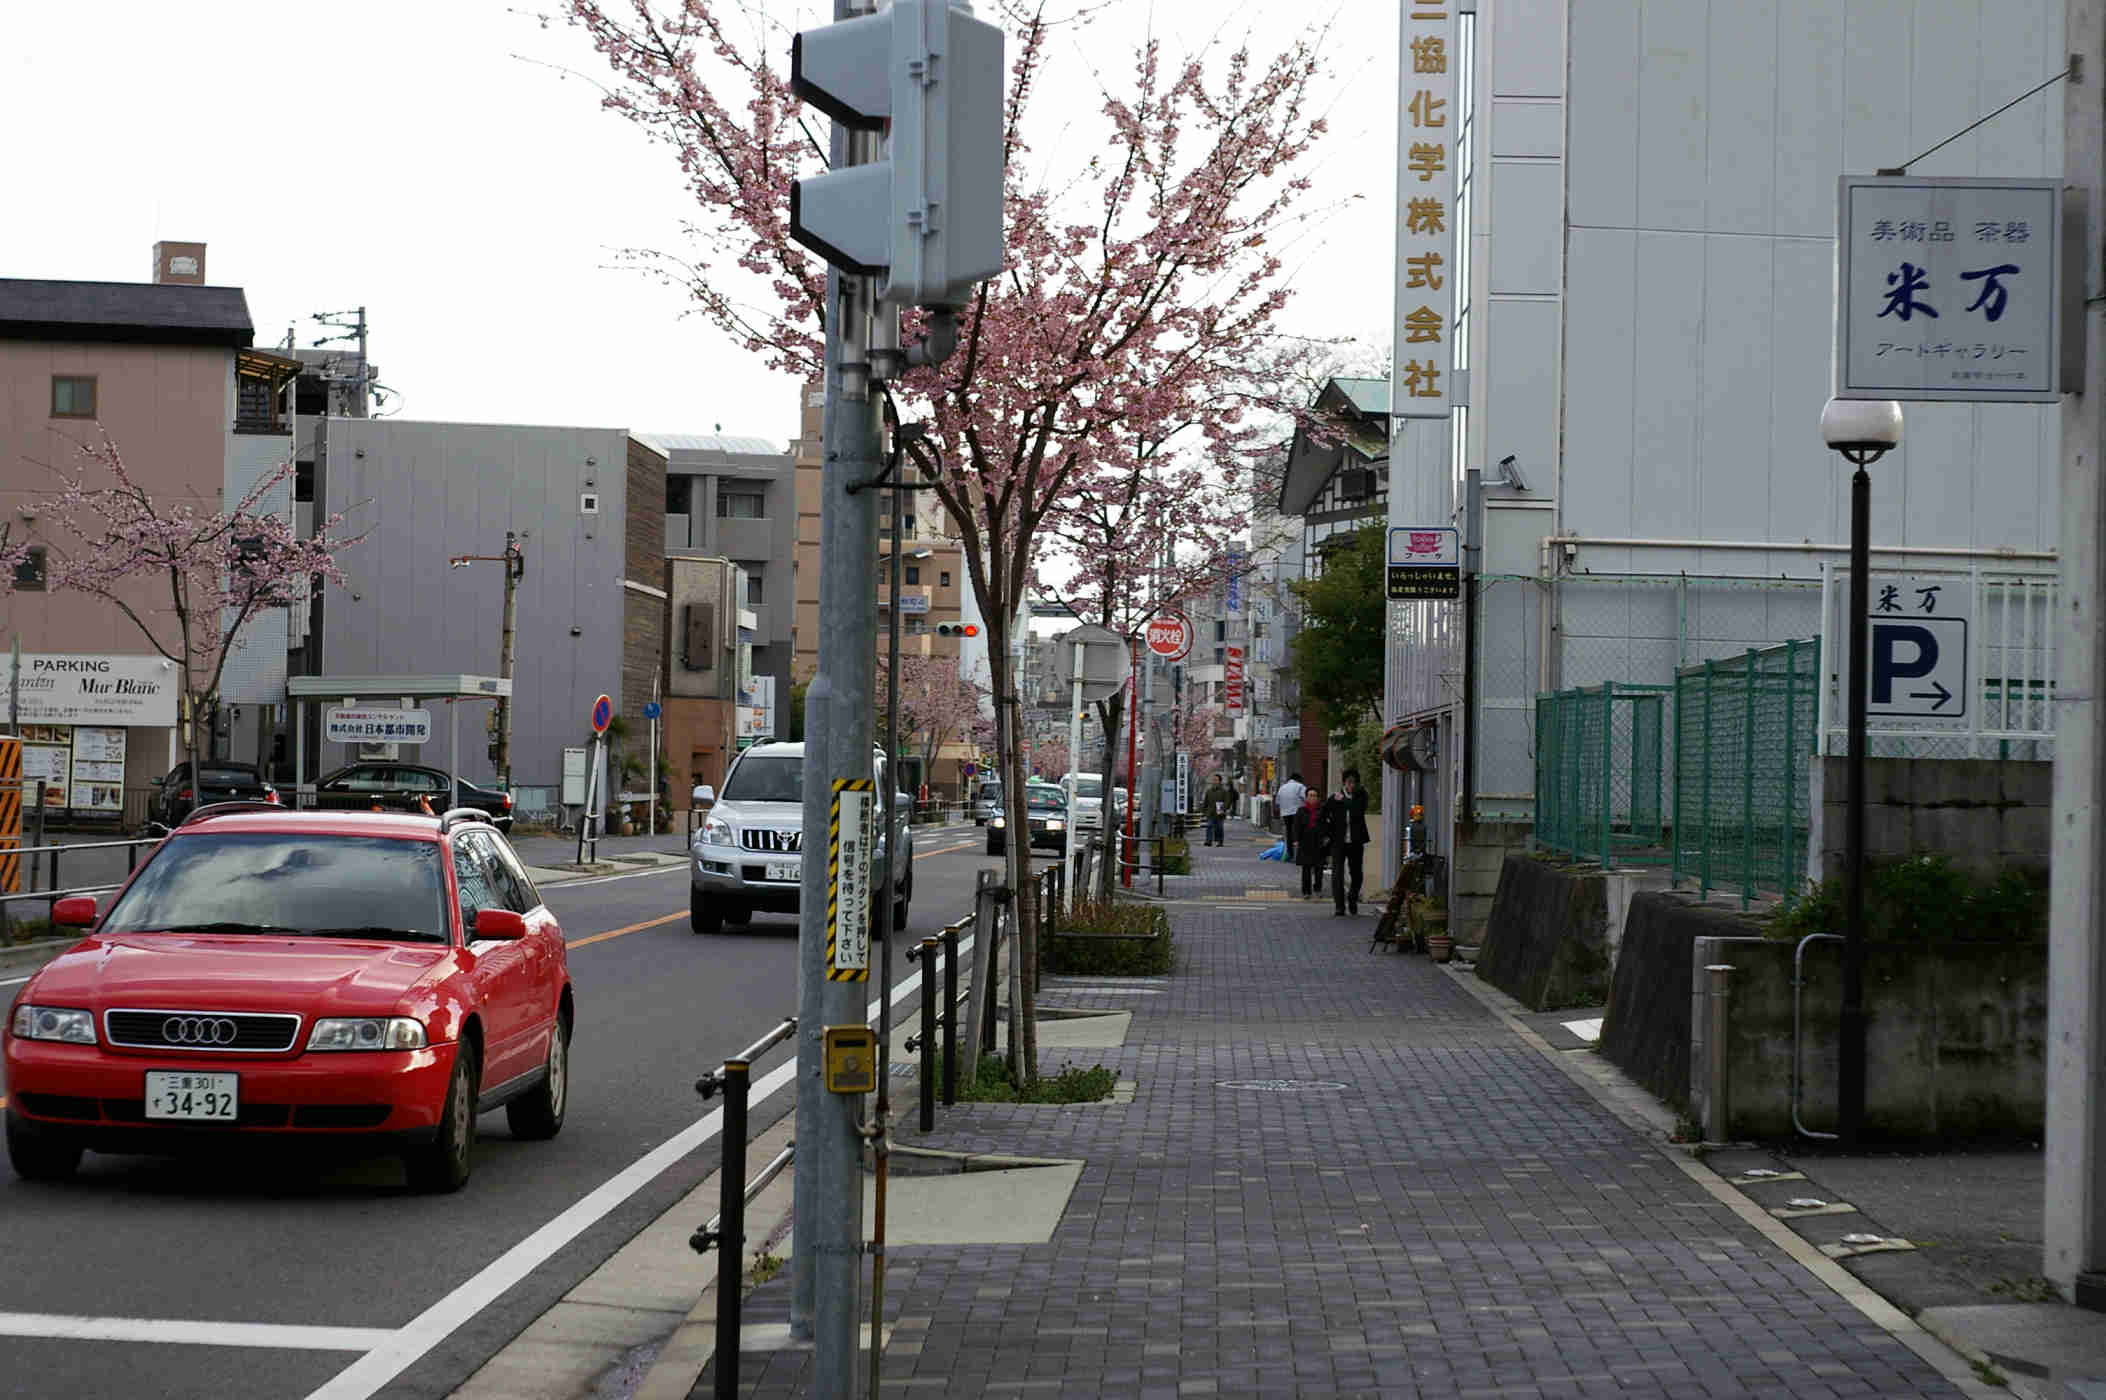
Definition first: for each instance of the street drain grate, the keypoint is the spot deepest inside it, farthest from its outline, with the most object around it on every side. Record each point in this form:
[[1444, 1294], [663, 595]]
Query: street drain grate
[[1283, 1086]]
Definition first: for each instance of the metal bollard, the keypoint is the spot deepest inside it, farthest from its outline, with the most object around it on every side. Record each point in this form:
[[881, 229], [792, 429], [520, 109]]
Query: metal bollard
[[928, 1033], [1718, 1107], [950, 1016], [731, 1242]]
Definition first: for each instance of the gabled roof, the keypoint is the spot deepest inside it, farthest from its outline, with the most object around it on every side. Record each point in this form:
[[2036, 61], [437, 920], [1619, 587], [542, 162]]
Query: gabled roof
[[1362, 408], [139, 313]]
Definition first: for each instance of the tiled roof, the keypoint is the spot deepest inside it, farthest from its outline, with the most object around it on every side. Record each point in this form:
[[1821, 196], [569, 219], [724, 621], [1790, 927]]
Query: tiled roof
[[140, 312]]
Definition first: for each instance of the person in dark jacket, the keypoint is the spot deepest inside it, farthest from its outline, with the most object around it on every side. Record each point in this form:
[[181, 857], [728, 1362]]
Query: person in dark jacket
[[1348, 842], [1312, 851]]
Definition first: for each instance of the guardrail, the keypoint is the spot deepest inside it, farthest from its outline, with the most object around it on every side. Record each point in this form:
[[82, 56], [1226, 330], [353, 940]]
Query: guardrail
[[52, 892]]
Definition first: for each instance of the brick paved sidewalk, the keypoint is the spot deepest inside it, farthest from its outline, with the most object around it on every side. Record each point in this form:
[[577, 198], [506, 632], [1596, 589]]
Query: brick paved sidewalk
[[1342, 1176]]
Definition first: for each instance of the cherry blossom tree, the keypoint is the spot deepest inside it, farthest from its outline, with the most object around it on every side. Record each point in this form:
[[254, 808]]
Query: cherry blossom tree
[[1136, 279], [936, 704], [107, 536]]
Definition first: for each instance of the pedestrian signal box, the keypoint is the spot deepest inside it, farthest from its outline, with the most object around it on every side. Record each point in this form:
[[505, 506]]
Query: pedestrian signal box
[[851, 1060]]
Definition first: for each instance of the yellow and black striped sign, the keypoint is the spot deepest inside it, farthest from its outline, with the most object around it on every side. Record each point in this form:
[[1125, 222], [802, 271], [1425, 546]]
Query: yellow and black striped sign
[[848, 881], [10, 816]]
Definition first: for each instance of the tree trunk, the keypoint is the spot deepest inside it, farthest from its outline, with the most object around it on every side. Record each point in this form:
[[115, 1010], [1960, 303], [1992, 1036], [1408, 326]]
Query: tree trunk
[[1113, 713], [1009, 750]]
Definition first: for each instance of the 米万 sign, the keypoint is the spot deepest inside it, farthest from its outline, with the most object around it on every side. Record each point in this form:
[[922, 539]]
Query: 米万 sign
[[1949, 289], [348, 726], [1425, 562], [102, 690], [1918, 647]]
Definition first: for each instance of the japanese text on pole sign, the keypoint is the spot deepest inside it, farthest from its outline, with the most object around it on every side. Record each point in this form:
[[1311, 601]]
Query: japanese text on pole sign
[[850, 840], [1950, 289], [1426, 150]]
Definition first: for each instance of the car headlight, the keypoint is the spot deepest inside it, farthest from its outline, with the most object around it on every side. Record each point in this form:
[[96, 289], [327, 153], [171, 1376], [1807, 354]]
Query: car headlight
[[367, 1033], [998, 821], [717, 832], [54, 1023]]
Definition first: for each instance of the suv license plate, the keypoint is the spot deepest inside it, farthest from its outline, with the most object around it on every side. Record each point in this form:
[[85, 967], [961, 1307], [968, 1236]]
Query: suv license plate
[[200, 1098], [783, 872]]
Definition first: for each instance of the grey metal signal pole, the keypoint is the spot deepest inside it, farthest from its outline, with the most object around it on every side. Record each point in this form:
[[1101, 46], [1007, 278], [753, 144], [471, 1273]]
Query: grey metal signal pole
[[827, 1224]]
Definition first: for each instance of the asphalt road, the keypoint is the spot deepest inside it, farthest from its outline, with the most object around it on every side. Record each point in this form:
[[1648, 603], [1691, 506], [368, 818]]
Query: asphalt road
[[217, 1244]]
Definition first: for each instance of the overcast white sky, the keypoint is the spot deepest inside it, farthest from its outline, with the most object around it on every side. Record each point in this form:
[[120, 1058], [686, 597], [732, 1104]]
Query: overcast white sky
[[421, 158]]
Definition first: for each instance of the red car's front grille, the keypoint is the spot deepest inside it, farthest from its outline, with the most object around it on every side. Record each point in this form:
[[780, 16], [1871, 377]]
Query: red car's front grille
[[206, 1031]]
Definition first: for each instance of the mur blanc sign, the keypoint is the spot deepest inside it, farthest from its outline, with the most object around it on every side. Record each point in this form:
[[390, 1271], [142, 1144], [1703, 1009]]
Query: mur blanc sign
[[103, 690]]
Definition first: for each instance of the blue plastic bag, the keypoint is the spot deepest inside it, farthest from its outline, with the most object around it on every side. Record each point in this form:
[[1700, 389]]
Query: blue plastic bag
[[1276, 851]]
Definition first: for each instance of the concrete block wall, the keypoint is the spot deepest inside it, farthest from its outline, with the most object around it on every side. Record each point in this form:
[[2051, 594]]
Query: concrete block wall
[[1481, 850], [1987, 815]]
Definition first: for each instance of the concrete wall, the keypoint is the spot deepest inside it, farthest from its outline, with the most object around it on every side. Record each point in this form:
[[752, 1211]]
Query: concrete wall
[[1647, 1031], [1545, 944], [1955, 1040], [1986, 815], [1481, 852], [427, 491]]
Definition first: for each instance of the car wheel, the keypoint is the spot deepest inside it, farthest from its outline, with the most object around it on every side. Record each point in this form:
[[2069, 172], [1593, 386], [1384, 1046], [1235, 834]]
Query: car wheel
[[703, 915], [539, 1115], [38, 1156], [442, 1164]]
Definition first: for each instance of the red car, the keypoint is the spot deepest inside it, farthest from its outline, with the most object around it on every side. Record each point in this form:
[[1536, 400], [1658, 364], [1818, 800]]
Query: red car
[[298, 975]]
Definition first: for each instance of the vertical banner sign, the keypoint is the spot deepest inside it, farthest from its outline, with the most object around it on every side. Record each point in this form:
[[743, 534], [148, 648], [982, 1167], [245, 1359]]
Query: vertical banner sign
[[1427, 122], [1232, 680], [10, 816], [1234, 592], [849, 842], [1184, 784]]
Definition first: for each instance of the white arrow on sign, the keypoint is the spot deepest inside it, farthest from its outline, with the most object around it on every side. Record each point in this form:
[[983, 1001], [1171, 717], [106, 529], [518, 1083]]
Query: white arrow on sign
[[1918, 666]]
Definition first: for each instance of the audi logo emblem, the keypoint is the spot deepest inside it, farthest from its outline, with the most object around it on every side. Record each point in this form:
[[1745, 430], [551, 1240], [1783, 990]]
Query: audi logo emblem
[[198, 1030]]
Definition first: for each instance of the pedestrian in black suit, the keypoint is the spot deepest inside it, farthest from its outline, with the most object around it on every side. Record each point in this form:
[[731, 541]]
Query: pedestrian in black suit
[[1348, 843]]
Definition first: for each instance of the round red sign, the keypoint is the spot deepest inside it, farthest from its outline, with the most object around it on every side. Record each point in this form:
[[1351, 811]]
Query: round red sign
[[1169, 636]]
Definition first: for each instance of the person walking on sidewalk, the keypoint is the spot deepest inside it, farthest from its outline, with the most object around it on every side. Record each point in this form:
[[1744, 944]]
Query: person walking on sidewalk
[[1349, 842], [1313, 852], [1215, 804], [1289, 803]]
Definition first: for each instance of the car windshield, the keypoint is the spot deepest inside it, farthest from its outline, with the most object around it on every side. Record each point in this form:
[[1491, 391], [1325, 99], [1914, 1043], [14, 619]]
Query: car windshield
[[765, 780], [1042, 798], [278, 882], [229, 777], [1089, 787]]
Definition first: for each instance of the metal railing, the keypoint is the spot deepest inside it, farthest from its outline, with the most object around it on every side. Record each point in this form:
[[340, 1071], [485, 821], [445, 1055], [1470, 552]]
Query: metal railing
[[52, 891], [1744, 743], [1599, 782]]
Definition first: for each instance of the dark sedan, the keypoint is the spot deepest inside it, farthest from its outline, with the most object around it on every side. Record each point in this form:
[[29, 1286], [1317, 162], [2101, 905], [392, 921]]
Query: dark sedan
[[1046, 807], [176, 796], [407, 787]]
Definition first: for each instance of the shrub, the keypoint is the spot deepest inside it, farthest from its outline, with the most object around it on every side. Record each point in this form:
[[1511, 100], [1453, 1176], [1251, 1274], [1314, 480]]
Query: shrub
[[1926, 899], [992, 1083], [1177, 856], [1146, 951]]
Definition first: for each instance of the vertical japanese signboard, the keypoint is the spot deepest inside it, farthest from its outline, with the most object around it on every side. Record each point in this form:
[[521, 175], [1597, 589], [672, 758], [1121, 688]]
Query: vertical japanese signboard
[[1426, 150], [1232, 679], [1948, 289], [850, 839]]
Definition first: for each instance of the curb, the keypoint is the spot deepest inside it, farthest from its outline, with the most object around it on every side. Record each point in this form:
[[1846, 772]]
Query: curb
[[34, 954]]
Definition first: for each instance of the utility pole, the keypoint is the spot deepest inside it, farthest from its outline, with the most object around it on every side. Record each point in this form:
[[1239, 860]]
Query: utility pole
[[514, 560], [2074, 1207], [827, 1226], [353, 324]]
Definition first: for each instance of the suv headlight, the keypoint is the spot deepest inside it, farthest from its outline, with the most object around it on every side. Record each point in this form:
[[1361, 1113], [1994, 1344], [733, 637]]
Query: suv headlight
[[54, 1023], [717, 832], [367, 1033]]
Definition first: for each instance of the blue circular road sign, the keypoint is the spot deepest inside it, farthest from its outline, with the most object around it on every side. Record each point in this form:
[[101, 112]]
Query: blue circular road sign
[[652, 710], [602, 714]]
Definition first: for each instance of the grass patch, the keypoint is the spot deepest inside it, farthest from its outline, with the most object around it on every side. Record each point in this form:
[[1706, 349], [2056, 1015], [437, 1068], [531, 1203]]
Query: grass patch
[[1143, 948], [992, 1084], [29, 930], [2027, 1290], [765, 1266], [1177, 856], [1927, 899]]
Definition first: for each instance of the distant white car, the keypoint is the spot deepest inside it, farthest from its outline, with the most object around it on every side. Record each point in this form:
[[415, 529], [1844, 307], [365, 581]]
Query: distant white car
[[1088, 792]]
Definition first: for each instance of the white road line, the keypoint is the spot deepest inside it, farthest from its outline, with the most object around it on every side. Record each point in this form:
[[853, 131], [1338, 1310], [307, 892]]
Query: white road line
[[192, 1333], [396, 1352], [14, 981]]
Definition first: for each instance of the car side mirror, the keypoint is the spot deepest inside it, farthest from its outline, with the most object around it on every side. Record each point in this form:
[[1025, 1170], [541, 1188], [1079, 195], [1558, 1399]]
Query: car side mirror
[[74, 911], [502, 924], [155, 829], [703, 794]]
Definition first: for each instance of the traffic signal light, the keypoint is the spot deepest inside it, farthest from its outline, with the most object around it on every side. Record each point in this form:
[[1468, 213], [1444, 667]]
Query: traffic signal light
[[957, 629], [927, 219]]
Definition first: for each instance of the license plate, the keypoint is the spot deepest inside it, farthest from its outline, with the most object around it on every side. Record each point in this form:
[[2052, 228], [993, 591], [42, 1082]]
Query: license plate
[[783, 872], [196, 1098]]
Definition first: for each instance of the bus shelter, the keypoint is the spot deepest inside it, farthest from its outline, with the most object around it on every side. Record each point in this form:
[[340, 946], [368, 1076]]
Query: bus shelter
[[356, 709]]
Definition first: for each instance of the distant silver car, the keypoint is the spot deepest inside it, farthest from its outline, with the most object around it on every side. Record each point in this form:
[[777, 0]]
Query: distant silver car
[[987, 800], [749, 854]]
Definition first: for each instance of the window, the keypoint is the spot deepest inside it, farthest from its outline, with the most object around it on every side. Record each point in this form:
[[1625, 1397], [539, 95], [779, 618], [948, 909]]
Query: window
[[1220, 656], [473, 877], [29, 572], [741, 505], [913, 574], [72, 396], [943, 579], [1221, 631], [507, 886], [255, 405], [913, 626], [679, 495], [303, 482], [756, 594]]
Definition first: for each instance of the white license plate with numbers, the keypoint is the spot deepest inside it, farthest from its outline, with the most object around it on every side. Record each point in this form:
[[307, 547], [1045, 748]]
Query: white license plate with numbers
[[782, 872], [190, 1097]]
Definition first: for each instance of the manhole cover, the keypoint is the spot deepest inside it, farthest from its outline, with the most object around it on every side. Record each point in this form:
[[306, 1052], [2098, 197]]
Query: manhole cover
[[1283, 1086]]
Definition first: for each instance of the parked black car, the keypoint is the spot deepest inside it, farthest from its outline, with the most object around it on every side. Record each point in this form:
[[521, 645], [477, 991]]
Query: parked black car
[[399, 787], [176, 796]]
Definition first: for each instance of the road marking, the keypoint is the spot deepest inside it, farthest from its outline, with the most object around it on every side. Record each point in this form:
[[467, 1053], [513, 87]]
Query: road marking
[[398, 1351], [192, 1333], [13, 981], [618, 932]]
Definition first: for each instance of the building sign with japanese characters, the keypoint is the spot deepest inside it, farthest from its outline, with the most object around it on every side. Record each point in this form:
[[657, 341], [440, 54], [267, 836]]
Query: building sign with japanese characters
[[1918, 643], [1425, 562], [1427, 121], [1949, 289]]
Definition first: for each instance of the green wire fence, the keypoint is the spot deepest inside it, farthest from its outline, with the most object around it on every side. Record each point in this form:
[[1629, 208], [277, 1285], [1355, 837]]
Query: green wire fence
[[1744, 745], [1598, 773]]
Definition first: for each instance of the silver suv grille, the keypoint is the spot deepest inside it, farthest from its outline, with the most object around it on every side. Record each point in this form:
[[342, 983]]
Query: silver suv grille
[[769, 839]]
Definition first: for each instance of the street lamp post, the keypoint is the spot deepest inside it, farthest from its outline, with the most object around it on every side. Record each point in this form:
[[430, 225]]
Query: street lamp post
[[1863, 431]]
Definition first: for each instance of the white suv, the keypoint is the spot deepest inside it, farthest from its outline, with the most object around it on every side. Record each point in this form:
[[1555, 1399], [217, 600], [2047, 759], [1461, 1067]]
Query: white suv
[[748, 855]]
